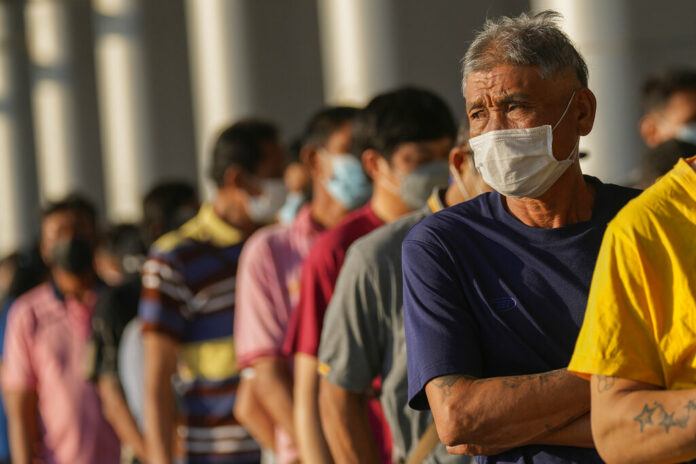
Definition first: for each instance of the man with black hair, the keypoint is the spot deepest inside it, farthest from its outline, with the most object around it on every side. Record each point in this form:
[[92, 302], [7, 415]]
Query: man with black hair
[[403, 138], [669, 107], [188, 303], [46, 337], [268, 280], [165, 208]]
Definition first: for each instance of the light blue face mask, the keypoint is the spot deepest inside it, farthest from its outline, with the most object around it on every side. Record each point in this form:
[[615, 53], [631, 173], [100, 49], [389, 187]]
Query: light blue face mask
[[293, 203], [348, 184], [687, 133]]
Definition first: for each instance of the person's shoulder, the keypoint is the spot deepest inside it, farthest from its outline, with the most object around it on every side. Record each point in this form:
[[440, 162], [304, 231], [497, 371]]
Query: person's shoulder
[[387, 239], [450, 220], [267, 237], [27, 304]]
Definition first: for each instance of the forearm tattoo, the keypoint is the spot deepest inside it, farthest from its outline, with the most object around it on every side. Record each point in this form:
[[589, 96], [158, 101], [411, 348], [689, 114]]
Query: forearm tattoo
[[605, 383], [658, 416], [445, 383]]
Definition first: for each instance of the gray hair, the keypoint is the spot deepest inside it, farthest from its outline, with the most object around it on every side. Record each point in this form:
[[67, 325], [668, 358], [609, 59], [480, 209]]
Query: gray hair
[[524, 41]]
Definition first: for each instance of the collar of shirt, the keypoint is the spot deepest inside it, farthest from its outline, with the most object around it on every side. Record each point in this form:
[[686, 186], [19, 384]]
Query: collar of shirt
[[220, 232], [304, 224], [436, 202]]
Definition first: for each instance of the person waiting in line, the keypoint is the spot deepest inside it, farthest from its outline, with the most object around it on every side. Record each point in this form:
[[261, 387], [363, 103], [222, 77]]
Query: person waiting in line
[[25, 270], [47, 397], [406, 131], [637, 340], [298, 181], [165, 208], [268, 280], [669, 107], [495, 288], [363, 334], [188, 303]]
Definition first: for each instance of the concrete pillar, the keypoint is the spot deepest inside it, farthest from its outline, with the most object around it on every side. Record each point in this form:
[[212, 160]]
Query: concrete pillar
[[18, 189], [59, 37], [123, 104], [359, 54], [223, 89], [601, 31]]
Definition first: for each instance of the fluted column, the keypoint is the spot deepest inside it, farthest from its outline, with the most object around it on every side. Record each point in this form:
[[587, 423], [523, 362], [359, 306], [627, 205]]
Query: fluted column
[[358, 49], [18, 189], [128, 152], [59, 37], [223, 90]]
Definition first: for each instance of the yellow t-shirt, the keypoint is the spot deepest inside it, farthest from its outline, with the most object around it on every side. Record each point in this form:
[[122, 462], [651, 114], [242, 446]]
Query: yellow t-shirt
[[640, 322]]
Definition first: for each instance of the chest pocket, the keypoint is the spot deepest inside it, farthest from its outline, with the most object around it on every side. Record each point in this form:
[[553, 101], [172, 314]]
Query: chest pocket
[[502, 304]]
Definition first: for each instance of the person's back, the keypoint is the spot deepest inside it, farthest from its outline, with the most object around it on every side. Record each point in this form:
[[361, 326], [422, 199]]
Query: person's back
[[188, 302]]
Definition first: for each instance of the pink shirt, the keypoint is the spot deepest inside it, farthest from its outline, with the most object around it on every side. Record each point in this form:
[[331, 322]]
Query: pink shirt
[[45, 351], [268, 287]]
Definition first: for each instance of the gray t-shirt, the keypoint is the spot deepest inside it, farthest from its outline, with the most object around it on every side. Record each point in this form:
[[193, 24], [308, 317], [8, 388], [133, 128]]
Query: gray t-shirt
[[363, 333]]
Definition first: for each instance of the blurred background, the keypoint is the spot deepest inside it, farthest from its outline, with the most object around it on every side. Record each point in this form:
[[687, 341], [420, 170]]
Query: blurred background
[[110, 97]]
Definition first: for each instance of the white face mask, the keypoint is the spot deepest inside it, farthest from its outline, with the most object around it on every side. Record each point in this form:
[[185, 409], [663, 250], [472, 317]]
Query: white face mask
[[262, 208], [519, 162]]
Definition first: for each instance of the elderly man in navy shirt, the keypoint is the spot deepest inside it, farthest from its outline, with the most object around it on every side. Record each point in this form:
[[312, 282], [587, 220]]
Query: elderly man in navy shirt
[[495, 288]]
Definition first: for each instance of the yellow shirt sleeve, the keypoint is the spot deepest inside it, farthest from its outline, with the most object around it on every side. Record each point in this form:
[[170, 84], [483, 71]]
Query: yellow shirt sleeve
[[618, 336]]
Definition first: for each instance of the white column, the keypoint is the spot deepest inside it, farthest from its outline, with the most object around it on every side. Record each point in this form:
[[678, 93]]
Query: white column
[[358, 49], [18, 191], [124, 110], [48, 29], [602, 34], [221, 74]]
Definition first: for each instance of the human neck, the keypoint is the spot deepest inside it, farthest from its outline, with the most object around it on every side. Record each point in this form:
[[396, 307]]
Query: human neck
[[232, 212], [386, 205], [568, 201], [324, 210]]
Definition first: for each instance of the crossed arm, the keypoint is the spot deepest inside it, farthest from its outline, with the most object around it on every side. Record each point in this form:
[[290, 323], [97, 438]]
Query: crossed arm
[[641, 423], [488, 416]]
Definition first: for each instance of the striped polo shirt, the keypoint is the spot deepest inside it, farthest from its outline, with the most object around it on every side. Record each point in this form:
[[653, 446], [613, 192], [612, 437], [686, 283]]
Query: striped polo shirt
[[189, 293]]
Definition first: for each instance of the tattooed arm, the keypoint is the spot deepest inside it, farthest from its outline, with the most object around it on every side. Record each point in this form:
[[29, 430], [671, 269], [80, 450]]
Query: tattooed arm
[[506, 412], [638, 422]]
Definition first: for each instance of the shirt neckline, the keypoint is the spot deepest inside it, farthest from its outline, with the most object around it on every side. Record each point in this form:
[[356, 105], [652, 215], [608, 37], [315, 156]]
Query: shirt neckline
[[499, 213]]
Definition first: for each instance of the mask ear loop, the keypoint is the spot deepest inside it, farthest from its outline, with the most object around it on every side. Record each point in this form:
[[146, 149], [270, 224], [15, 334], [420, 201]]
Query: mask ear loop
[[564, 111], [458, 180]]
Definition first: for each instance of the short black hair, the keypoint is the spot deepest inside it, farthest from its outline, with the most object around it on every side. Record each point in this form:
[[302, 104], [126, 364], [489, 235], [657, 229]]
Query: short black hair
[[240, 144], [659, 87], [73, 202], [162, 206], [325, 122], [405, 115]]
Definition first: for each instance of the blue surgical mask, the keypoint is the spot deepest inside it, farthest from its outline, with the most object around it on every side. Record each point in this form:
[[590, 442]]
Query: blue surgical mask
[[293, 203], [348, 184], [687, 133]]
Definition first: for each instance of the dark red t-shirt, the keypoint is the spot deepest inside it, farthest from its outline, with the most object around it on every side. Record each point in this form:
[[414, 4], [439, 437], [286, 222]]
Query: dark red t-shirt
[[320, 271]]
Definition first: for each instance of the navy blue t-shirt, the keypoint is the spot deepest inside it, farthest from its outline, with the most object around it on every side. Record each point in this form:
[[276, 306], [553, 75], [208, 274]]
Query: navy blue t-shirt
[[487, 296]]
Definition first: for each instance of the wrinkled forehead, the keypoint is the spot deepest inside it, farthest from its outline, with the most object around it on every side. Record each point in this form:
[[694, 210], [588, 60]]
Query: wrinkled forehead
[[506, 81]]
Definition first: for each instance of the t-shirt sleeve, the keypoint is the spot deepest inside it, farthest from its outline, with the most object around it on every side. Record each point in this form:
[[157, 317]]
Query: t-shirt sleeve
[[319, 274], [441, 334], [164, 296], [102, 348], [18, 370], [258, 329], [351, 345], [618, 333]]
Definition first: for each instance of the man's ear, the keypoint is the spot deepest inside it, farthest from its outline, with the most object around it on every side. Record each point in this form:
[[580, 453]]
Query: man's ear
[[309, 158], [457, 157], [587, 110], [370, 161], [232, 177], [647, 126]]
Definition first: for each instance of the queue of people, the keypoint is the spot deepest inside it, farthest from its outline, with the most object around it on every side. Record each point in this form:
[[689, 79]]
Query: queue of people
[[406, 290]]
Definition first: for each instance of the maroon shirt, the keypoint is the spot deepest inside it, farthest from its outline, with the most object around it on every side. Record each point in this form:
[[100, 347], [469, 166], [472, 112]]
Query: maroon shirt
[[319, 275]]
